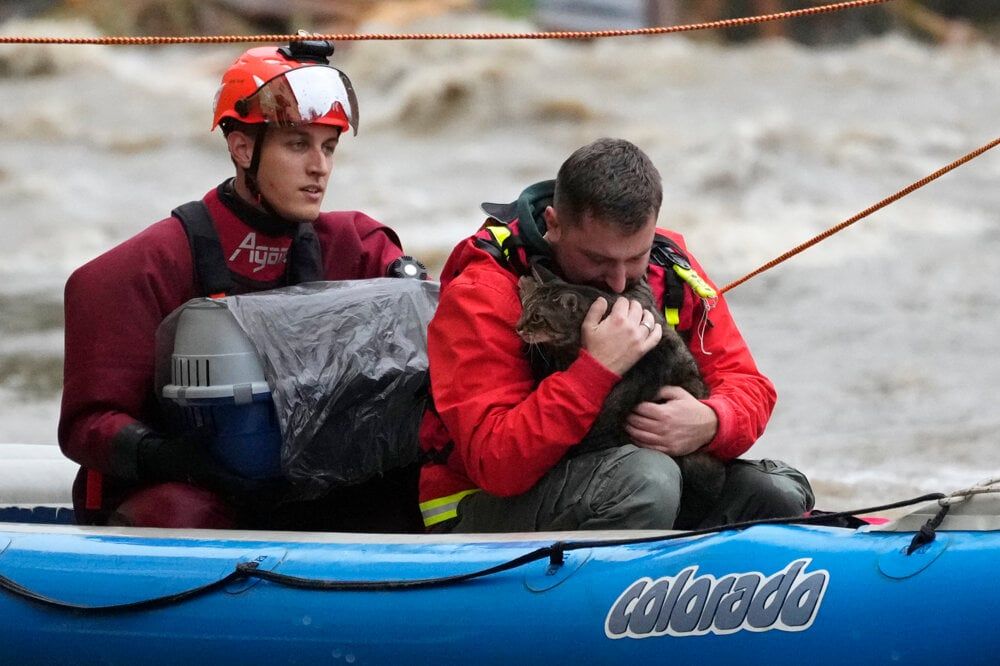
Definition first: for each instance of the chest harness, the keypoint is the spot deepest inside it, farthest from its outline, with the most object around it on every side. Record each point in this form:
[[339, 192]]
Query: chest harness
[[216, 280], [305, 258]]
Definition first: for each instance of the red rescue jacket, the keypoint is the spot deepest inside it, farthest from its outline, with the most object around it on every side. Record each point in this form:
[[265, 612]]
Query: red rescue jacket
[[115, 303], [493, 429]]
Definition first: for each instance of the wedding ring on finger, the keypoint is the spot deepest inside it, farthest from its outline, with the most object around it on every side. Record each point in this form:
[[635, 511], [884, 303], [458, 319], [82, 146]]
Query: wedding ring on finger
[[648, 325]]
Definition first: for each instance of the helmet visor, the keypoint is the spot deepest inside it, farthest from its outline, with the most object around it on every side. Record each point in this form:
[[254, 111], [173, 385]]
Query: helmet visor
[[304, 95]]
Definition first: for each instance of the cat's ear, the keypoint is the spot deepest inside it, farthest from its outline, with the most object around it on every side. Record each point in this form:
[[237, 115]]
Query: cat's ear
[[526, 286], [569, 300], [542, 273]]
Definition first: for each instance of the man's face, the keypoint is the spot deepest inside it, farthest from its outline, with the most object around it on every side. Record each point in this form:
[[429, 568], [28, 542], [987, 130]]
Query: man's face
[[597, 253], [295, 166]]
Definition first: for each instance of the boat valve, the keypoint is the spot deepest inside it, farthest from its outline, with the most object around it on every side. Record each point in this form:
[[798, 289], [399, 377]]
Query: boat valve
[[557, 557]]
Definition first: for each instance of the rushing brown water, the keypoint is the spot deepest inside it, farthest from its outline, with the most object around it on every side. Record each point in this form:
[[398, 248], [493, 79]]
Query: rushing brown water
[[881, 340]]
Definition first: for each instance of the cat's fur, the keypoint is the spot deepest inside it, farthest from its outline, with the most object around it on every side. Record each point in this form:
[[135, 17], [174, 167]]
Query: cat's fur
[[550, 323]]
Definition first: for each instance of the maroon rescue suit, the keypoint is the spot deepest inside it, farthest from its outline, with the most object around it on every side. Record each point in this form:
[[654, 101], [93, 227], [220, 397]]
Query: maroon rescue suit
[[114, 305]]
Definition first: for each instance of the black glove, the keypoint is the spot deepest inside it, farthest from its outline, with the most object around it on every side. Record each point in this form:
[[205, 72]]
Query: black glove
[[186, 458]]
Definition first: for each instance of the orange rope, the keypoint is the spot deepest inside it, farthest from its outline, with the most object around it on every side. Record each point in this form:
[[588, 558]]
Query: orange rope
[[863, 214], [591, 34]]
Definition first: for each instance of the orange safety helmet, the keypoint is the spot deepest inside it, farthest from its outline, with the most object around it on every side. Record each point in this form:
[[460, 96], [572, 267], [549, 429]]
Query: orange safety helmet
[[287, 86]]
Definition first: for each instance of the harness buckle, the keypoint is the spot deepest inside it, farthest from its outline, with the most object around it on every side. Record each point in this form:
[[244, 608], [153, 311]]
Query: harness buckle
[[664, 254]]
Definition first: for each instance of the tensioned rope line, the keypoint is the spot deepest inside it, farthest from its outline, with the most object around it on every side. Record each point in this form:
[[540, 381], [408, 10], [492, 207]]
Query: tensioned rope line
[[358, 37], [863, 214]]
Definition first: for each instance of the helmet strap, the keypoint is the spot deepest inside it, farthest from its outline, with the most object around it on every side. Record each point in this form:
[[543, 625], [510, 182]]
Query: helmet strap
[[251, 171], [251, 174]]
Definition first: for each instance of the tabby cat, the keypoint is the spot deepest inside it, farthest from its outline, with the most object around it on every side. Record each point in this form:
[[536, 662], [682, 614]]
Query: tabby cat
[[553, 313]]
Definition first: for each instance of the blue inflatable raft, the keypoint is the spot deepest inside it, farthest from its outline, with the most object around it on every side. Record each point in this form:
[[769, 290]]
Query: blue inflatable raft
[[919, 590]]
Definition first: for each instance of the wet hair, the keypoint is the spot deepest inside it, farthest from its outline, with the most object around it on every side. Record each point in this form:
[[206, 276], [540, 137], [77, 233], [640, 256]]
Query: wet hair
[[610, 179]]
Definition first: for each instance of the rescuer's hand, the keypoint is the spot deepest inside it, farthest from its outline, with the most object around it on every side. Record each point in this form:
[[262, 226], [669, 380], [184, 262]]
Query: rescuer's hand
[[184, 458], [619, 340], [675, 422]]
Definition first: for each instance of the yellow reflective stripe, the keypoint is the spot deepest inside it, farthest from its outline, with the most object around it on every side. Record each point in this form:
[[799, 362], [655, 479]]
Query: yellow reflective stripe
[[500, 234], [673, 316], [696, 282], [443, 508]]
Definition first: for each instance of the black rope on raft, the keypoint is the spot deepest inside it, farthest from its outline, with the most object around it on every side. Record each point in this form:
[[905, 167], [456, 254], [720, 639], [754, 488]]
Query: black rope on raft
[[928, 531], [555, 553]]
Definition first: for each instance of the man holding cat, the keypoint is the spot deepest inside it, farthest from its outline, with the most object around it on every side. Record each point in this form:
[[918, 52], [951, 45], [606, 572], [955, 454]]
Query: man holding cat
[[499, 445]]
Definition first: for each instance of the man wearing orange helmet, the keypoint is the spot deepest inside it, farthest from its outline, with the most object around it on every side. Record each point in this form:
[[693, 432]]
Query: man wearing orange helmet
[[282, 112]]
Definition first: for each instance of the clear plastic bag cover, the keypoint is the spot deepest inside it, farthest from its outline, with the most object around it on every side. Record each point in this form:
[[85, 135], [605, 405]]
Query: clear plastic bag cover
[[347, 366]]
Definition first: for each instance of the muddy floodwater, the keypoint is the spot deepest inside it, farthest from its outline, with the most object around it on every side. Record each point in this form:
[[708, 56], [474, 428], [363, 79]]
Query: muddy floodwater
[[882, 340]]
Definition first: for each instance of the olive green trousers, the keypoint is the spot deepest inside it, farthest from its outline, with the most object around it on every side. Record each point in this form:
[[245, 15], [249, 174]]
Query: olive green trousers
[[634, 488]]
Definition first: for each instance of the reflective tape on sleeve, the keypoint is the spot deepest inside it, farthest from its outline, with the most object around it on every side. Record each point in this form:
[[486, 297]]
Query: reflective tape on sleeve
[[443, 508]]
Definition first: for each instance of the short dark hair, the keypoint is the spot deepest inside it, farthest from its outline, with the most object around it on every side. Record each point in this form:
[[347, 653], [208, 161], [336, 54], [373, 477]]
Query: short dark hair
[[611, 179]]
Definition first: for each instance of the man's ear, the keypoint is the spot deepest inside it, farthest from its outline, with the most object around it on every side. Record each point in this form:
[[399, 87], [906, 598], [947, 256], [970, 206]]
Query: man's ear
[[240, 148], [552, 228]]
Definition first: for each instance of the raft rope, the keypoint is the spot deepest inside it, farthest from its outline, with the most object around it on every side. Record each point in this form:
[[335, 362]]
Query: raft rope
[[928, 531], [863, 214], [555, 553], [987, 486], [481, 36]]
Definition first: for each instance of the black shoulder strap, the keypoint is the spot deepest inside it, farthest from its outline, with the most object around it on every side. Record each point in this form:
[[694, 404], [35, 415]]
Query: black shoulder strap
[[667, 254], [504, 246], [305, 256], [493, 248], [210, 265]]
